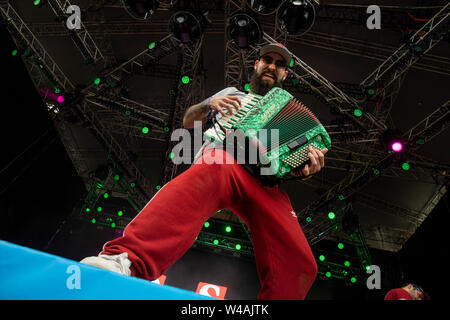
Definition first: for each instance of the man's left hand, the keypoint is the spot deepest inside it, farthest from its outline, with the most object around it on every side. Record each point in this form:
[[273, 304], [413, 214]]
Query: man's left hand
[[317, 162]]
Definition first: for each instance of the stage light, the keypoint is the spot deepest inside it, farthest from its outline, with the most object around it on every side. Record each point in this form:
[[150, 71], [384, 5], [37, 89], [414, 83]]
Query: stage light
[[113, 225], [228, 229], [206, 224], [244, 30], [216, 242], [328, 274], [392, 141], [296, 16], [406, 166], [14, 52], [292, 63], [97, 81], [39, 3], [247, 87], [238, 247], [322, 257], [357, 112], [88, 209], [116, 177], [120, 213], [185, 79], [264, 7], [152, 45], [140, 9], [106, 195], [99, 209], [145, 130], [340, 245], [60, 99], [352, 279], [331, 215], [397, 146], [93, 220], [347, 263], [186, 27]]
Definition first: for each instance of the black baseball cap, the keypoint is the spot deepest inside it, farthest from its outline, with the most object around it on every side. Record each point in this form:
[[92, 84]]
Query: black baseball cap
[[277, 48]]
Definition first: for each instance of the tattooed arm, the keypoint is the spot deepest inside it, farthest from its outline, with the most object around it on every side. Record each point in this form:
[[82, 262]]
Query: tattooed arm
[[198, 112]]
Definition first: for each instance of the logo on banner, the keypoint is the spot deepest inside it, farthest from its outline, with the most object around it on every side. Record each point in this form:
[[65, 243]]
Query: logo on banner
[[211, 290], [160, 280]]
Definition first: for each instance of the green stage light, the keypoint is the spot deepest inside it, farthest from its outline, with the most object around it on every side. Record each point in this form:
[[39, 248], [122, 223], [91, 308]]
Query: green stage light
[[152, 45], [206, 224], [406, 166], [88, 209], [340, 245], [116, 177], [292, 63], [99, 209], [145, 130], [353, 279], [113, 225], [308, 219], [328, 274], [331, 215], [93, 221], [120, 213], [185, 79], [228, 229], [216, 242], [347, 263], [357, 112], [238, 247], [97, 81], [322, 257], [106, 195], [247, 87]]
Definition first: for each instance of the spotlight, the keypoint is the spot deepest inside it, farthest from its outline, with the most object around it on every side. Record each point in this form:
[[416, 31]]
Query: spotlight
[[186, 27], [397, 146], [296, 16], [264, 7], [244, 30], [392, 141], [140, 9]]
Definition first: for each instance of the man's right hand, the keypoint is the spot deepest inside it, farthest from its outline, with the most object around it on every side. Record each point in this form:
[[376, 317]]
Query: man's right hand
[[228, 102]]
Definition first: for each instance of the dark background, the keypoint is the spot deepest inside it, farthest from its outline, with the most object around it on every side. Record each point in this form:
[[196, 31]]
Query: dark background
[[39, 188]]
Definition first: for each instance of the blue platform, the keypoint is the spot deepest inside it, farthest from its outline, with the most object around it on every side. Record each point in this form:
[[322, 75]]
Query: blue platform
[[28, 274]]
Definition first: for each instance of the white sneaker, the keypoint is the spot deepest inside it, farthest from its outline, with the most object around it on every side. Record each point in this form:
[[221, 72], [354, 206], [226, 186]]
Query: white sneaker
[[116, 263]]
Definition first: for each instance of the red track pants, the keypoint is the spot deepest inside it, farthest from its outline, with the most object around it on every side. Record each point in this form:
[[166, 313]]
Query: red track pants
[[168, 225]]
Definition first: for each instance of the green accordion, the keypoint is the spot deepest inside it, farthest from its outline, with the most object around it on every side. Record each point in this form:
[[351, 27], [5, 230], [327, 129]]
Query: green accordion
[[276, 127]]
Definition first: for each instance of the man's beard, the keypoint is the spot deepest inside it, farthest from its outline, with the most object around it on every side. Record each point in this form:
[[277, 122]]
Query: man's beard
[[261, 87]]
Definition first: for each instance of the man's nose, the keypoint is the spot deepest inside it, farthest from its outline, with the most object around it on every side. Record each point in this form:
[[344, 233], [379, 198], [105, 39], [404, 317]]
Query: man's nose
[[272, 66]]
